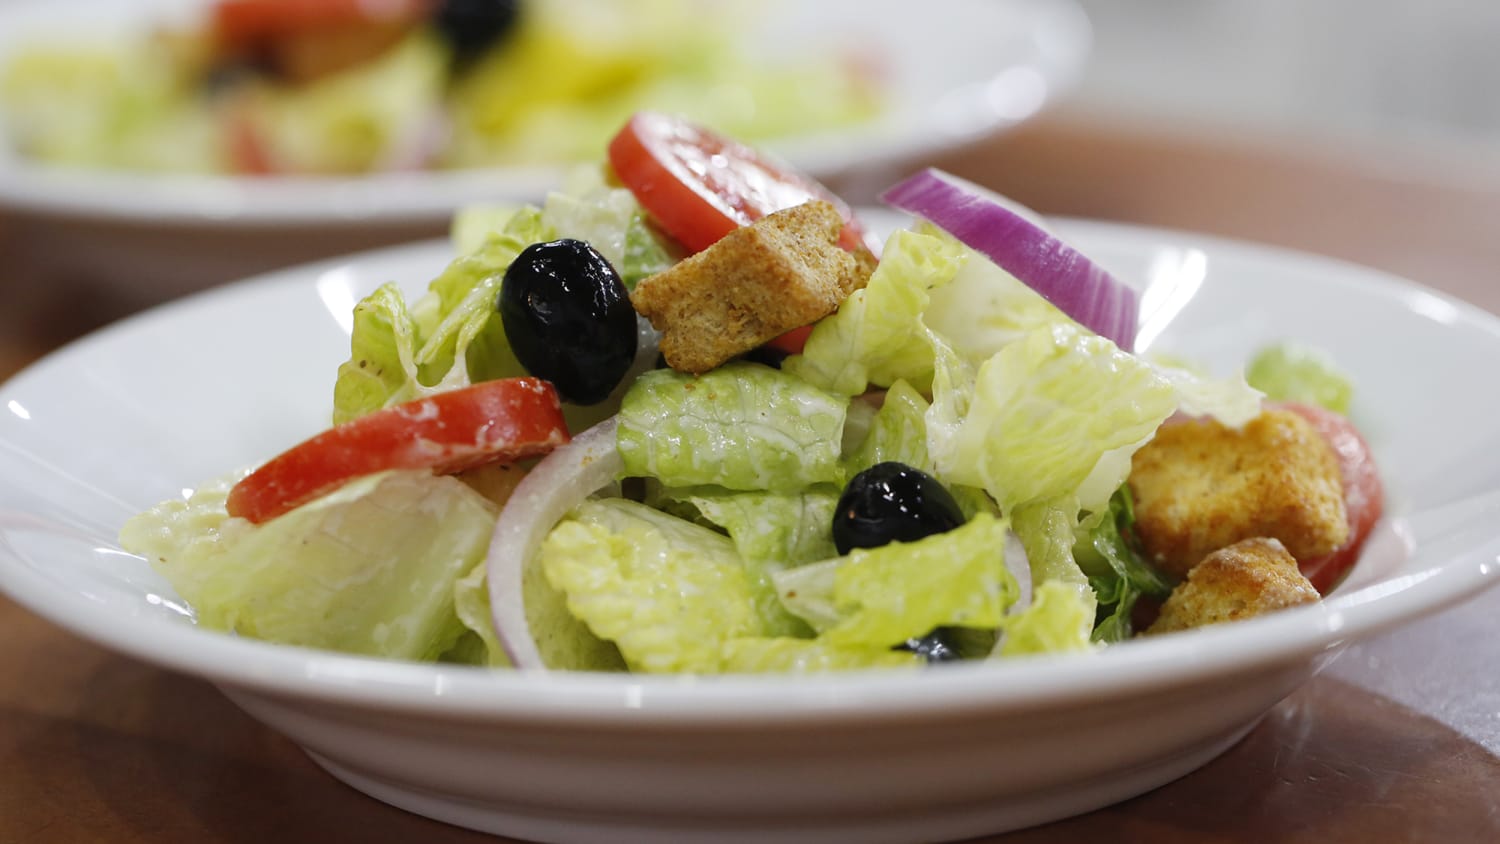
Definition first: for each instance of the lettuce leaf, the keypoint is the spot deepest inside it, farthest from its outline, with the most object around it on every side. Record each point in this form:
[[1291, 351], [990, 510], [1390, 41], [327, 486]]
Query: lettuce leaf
[[1296, 372], [667, 592], [449, 338], [881, 597], [371, 568], [1058, 619], [771, 532], [742, 426], [1045, 414], [877, 336]]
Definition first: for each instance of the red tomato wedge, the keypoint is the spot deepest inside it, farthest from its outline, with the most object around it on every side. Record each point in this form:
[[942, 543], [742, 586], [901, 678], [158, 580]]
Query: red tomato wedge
[[242, 22], [1364, 495], [699, 186], [490, 422]]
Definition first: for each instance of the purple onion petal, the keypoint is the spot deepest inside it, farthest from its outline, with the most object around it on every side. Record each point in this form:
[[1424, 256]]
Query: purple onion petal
[[1061, 274]]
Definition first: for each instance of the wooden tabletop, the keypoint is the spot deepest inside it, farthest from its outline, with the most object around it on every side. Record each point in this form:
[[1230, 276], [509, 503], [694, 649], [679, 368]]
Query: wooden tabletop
[[1398, 741]]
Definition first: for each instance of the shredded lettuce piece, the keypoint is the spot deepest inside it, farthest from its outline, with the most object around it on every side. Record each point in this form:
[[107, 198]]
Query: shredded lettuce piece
[[877, 336], [667, 592], [771, 532], [881, 597], [1045, 411], [1057, 620], [609, 219], [898, 432], [1118, 572], [742, 426], [1296, 372], [370, 568], [479, 645], [448, 339]]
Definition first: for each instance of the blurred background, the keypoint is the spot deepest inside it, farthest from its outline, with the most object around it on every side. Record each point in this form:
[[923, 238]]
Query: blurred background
[[1389, 72], [1364, 129]]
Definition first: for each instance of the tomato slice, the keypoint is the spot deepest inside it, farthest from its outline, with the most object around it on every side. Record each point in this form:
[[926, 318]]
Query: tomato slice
[[1364, 495], [699, 186], [237, 23], [490, 422]]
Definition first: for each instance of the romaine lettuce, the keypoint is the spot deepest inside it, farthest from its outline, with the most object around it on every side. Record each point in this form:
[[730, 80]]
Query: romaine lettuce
[[667, 592], [742, 426], [369, 569]]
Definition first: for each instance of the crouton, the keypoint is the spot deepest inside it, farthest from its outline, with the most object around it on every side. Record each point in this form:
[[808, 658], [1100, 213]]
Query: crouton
[[1249, 578], [782, 272], [1199, 486]]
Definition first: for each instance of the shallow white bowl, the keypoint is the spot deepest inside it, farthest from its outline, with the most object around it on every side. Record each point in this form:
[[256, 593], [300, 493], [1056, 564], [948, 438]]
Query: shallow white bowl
[[958, 70], [177, 395]]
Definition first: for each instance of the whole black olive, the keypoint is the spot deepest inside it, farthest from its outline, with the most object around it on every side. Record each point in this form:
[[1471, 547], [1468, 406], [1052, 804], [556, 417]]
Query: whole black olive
[[568, 318], [473, 26], [936, 646], [892, 502]]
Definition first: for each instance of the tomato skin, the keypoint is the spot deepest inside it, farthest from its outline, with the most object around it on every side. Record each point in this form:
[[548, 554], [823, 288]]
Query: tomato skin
[[792, 342], [490, 422], [237, 23], [1364, 494], [699, 186]]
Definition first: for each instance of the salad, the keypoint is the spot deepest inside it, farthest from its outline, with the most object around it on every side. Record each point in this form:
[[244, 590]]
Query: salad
[[689, 415], [259, 87]]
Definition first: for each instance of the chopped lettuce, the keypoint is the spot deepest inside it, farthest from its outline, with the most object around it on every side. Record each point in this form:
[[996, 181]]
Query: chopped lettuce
[[1118, 572], [450, 338], [1058, 619], [742, 426], [771, 532], [884, 596], [1046, 412], [877, 336], [1294, 372], [371, 568], [609, 219], [667, 592], [471, 600], [898, 432]]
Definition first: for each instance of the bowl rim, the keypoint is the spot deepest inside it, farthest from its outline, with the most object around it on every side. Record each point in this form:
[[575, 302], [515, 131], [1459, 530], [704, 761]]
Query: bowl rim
[[687, 702]]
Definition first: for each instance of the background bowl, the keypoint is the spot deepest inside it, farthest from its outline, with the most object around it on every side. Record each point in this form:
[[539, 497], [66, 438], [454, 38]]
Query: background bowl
[[128, 416], [957, 70]]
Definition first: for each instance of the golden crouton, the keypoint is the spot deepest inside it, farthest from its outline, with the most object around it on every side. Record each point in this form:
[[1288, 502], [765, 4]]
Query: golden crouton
[[783, 271], [1200, 486], [1249, 578]]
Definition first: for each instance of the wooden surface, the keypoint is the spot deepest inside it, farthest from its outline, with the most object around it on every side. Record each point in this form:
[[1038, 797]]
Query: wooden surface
[[1398, 741]]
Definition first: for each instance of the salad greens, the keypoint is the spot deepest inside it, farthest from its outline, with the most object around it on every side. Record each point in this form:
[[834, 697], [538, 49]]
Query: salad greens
[[723, 560]]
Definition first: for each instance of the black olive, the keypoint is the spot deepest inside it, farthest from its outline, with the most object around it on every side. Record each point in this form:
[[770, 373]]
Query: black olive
[[936, 646], [473, 26], [892, 502], [568, 318]]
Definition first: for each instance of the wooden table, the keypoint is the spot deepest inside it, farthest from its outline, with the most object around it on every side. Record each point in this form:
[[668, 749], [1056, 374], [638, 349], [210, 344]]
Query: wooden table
[[1398, 741]]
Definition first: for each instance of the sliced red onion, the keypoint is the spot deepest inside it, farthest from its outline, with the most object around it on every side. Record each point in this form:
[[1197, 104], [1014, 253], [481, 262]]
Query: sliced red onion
[[560, 482], [1063, 276]]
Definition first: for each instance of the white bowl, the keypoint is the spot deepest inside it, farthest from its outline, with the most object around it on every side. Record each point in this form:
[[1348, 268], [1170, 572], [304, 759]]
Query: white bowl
[[958, 70], [129, 416]]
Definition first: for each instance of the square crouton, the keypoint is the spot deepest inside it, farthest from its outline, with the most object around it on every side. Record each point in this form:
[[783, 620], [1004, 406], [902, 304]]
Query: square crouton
[[784, 271], [1249, 578], [1200, 486]]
